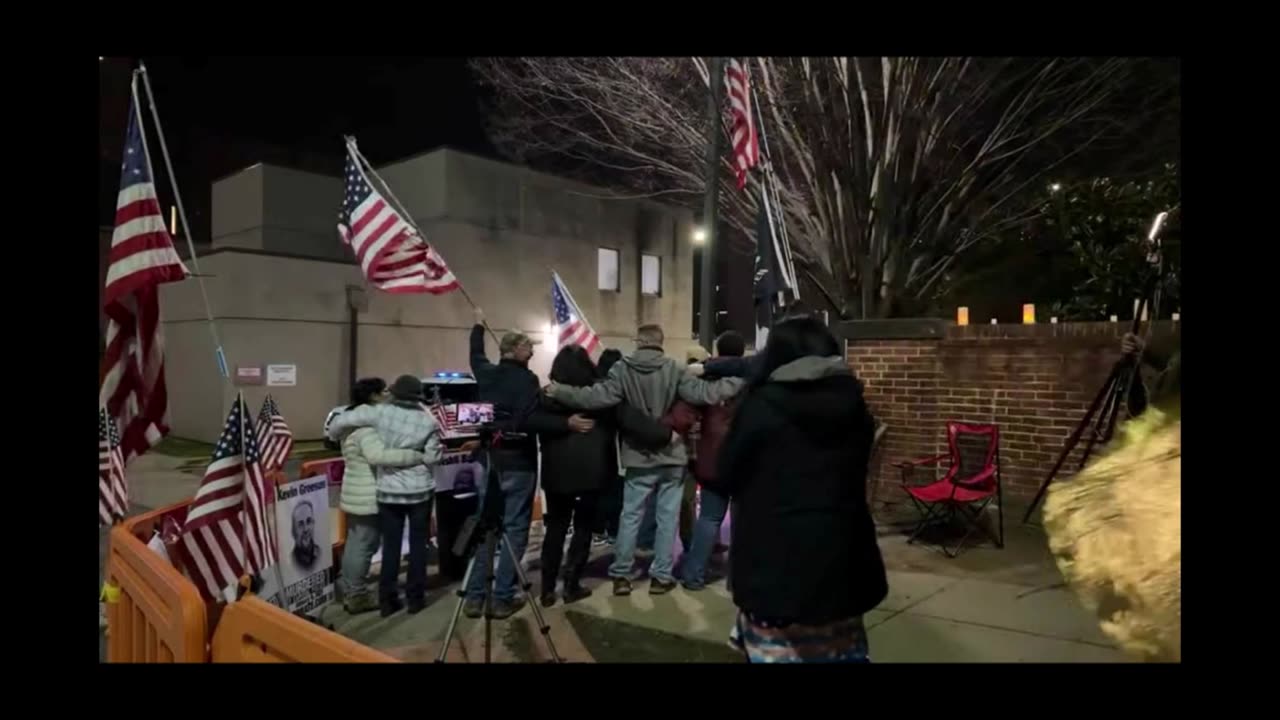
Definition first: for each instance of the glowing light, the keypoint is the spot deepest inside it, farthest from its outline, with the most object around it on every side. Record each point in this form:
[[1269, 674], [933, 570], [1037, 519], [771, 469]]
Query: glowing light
[[1028, 314], [699, 235], [1055, 187], [962, 316]]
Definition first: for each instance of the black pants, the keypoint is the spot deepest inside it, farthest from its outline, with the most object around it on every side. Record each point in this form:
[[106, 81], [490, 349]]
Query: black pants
[[609, 507], [391, 519], [561, 511]]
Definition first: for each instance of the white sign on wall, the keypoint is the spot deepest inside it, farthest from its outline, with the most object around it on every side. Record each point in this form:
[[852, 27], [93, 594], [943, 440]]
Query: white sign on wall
[[282, 375]]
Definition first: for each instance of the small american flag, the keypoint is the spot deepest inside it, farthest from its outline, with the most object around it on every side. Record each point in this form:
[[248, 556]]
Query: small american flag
[[574, 328], [274, 436], [141, 258], [746, 144], [113, 493], [392, 255], [226, 533]]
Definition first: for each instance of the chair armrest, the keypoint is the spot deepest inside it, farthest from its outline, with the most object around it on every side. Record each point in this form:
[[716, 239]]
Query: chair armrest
[[907, 466], [921, 463]]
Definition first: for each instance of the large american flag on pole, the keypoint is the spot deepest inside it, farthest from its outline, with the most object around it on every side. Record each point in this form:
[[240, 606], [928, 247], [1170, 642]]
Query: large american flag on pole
[[113, 493], [392, 255], [573, 326], [742, 126], [226, 533], [141, 258]]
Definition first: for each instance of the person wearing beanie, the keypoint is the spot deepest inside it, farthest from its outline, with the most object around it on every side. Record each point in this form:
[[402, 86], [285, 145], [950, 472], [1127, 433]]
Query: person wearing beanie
[[514, 391], [404, 494]]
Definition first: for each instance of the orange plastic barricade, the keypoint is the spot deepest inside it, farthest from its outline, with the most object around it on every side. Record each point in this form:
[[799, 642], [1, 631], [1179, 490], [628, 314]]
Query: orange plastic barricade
[[159, 616], [254, 631]]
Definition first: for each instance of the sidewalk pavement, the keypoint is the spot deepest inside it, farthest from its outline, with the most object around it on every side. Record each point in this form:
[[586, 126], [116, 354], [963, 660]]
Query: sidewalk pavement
[[988, 605], [953, 615]]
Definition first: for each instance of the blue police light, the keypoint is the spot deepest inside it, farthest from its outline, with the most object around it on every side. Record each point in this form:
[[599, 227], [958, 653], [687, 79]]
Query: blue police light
[[441, 374], [457, 375]]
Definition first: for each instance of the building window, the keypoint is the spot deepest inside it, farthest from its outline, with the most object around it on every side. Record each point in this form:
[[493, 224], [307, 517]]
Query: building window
[[651, 275], [607, 269]]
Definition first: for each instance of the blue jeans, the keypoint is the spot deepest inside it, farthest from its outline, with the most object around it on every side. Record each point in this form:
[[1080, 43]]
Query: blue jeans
[[640, 484], [517, 505], [706, 532], [363, 537]]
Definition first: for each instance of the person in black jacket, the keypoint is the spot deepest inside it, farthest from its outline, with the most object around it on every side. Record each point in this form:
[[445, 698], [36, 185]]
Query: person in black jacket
[[805, 563], [610, 509], [574, 467], [514, 391]]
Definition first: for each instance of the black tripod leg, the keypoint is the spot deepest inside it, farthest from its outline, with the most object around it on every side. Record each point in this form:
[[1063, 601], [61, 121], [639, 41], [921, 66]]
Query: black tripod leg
[[457, 610], [525, 585], [1104, 393], [489, 548]]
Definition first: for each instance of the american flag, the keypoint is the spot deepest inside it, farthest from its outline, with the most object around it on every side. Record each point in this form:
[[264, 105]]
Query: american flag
[[274, 436], [746, 144], [574, 328], [141, 258], [392, 255], [113, 493], [226, 533]]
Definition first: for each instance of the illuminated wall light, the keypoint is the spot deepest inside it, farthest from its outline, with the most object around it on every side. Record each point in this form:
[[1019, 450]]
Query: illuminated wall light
[[994, 321], [1115, 318], [962, 316], [1176, 317], [1053, 320], [1028, 314]]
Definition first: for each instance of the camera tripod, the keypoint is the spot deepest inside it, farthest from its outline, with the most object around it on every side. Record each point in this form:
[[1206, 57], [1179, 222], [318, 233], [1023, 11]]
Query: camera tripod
[[489, 522], [1113, 393]]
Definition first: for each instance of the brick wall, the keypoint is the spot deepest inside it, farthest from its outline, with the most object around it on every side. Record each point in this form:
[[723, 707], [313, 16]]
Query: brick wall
[[1034, 381]]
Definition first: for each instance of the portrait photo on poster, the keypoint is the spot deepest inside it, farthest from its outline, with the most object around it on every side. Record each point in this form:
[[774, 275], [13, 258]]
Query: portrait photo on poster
[[306, 549]]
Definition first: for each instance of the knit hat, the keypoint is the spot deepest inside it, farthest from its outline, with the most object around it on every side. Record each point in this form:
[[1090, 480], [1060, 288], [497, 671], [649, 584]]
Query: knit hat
[[407, 387], [511, 341]]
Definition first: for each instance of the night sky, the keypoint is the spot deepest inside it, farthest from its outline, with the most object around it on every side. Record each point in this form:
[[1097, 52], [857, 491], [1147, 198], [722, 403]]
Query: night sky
[[221, 115]]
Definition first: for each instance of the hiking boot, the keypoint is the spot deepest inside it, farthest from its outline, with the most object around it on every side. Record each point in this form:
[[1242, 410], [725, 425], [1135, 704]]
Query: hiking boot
[[621, 586], [574, 593], [501, 610], [473, 608], [661, 587], [357, 604]]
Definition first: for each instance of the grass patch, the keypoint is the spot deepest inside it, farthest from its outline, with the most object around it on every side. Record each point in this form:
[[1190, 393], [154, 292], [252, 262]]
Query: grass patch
[[184, 448], [197, 454], [614, 641]]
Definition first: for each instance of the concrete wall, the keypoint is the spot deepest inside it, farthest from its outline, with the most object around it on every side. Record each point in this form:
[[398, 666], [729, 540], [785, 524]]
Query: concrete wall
[[499, 227], [1034, 381]]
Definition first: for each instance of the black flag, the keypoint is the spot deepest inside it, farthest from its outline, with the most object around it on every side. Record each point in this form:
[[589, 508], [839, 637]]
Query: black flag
[[766, 283]]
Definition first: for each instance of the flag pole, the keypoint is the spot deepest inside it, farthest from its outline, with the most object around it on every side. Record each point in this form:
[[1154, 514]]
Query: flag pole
[[355, 150], [711, 206], [219, 355]]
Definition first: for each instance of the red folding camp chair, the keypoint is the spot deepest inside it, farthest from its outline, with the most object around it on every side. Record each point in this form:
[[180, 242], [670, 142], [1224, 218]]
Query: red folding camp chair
[[969, 485]]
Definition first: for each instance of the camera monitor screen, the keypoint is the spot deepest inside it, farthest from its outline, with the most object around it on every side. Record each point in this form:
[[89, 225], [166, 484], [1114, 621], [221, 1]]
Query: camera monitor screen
[[475, 413]]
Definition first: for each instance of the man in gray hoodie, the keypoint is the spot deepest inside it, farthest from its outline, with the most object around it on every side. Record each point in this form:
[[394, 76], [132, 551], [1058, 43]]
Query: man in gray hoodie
[[651, 382]]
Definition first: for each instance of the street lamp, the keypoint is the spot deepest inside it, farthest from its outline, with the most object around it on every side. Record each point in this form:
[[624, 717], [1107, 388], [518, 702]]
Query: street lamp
[[1055, 187], [699, 236]]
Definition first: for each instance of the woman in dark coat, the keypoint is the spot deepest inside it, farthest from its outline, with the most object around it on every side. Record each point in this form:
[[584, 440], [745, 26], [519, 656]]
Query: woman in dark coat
[[573, 467], [805, 563]]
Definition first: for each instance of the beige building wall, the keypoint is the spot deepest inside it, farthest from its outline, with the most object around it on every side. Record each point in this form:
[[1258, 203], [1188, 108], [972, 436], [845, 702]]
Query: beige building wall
[[277, 281]]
